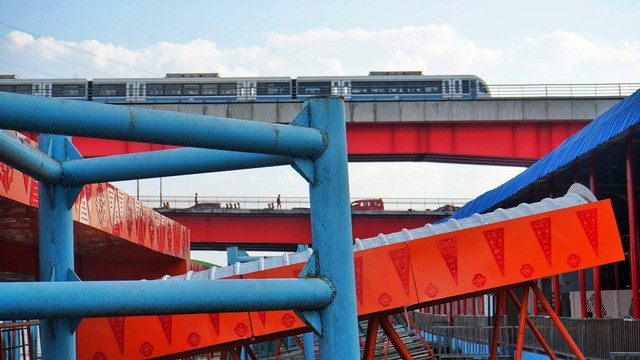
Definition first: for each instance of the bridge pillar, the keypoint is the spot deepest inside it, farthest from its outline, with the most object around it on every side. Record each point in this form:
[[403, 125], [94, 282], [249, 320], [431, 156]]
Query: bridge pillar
[[56, 250], [331, 231]]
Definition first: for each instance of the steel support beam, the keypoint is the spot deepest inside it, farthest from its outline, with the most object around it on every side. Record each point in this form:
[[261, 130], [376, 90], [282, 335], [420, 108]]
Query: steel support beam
[[533, 327], [633, 229], [31, 161], [118, 298], [496, 325], [521, 322], [163, 163], [78, 118], [307, 340], [372, 337], [597, 294], [56, 261], [556, 320], [331, 231], [415, 327], [392, 335]]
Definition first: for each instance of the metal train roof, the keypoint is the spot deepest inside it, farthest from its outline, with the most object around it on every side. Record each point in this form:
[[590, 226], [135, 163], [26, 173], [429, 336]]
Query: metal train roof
[[608, 126]]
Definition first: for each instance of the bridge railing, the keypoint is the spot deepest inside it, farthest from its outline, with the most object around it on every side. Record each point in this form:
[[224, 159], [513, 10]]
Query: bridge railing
[[596, 338], [610, 90], [294, 203]]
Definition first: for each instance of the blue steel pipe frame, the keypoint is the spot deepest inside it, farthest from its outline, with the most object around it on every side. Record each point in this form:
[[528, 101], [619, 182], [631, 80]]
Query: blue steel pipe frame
[[79, 118], [119, 298], [331, 232], [315, 144], [154, 164], [14, 152], [56, 253]]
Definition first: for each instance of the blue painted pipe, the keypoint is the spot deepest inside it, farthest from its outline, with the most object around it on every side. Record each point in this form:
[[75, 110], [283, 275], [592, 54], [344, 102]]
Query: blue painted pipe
[[163, 163], [118, 298], [56, 251], [24, 157], [331, 232], [78, 118]]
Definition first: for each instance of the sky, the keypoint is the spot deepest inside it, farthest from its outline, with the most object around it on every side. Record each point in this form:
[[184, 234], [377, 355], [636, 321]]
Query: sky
[[503, 42]]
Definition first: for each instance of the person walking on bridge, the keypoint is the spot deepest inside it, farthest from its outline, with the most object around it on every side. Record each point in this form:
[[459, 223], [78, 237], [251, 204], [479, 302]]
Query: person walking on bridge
[[278, 202]]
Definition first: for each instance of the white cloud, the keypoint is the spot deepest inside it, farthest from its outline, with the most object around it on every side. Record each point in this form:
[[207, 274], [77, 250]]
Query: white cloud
[[558, 57]]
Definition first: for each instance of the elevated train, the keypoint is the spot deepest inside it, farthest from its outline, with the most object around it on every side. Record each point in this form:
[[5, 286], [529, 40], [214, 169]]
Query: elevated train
[[205, 87]]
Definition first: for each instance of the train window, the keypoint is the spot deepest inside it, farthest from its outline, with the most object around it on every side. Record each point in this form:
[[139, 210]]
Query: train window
[[23, 89], [172, 89], [228, 89], [361, 87], [191, 89], [274, 88], [154, 89], [482, 87], [465, 86], [456, 84], [209, 89], [109, 90], [68, 90], [314, 88], [19, 89], [433, 87], [446, 87]]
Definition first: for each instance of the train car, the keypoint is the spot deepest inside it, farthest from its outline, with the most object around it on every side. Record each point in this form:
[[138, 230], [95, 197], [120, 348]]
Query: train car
[[393, 85], [190, 87], [76, 89], [210, 87]]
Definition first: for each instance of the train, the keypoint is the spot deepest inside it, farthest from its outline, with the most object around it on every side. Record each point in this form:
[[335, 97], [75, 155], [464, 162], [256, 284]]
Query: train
[[208, 87]]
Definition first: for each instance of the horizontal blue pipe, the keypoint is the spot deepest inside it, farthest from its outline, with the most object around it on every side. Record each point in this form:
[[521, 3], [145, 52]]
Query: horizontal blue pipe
[[38, 300], [163, 163], [24, 157], [80, 118]]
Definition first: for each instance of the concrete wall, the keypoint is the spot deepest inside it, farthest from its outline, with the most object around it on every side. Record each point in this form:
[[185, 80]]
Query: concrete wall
[[441, 110]]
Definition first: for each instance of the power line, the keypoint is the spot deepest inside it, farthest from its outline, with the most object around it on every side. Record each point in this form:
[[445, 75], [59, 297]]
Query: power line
[[80, 50], [30, 69], [56, 57]]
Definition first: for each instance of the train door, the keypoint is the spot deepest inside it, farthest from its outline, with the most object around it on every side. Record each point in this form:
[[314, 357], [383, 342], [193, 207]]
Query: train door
[[451, 88], [136, 91], [247, 90], [341, 88], [473, 88], [42, 89]]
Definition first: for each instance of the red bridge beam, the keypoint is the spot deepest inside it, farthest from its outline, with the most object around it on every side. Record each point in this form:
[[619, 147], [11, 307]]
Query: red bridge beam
[[512, 143], [283, 230]]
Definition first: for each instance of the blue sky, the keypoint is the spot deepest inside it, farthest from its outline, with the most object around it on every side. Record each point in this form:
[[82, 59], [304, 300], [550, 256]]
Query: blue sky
[[501, 41], [512, 42], [229, 23]]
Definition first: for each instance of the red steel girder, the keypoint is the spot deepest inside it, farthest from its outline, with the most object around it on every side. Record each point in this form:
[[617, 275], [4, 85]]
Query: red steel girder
[[514, 143], [260, 230]]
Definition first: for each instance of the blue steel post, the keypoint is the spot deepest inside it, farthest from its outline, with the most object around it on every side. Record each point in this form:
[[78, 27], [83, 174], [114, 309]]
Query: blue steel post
[[331, 231], [307, 341], [56, 251]]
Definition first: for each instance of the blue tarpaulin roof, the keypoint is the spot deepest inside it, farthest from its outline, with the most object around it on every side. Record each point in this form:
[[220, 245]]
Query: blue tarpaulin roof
[[612, 123]]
